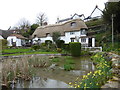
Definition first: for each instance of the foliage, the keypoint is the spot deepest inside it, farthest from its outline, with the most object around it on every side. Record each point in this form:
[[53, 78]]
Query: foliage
[[35, 47], [97, 78], [56, 36], [48, 42], [32, 29], [112, 8], [109, 48], [68, 67], [75, 48], [66, 48], [3, 44], [59, 50], [70, 61], [55, 60], [94, 22], [60, 43]]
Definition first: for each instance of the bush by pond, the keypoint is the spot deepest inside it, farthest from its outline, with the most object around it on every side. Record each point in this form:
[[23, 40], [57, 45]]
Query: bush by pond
[[75, 48]]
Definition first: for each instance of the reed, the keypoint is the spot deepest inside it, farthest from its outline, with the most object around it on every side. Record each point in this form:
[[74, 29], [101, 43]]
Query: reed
[[15, 68]]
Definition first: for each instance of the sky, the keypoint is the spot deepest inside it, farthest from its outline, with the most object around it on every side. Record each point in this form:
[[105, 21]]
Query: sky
[[12, 11]]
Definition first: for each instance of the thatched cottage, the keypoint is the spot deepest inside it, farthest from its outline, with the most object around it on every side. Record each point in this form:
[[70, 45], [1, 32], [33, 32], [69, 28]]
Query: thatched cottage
[[72, 30]]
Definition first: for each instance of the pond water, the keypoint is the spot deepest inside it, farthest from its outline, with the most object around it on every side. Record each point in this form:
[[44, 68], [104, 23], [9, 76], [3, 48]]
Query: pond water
[[38, 82], [55, 76]]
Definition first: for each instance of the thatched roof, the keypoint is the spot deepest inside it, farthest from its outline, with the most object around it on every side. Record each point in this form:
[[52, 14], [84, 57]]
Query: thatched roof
[[18, 36], [60, 27]]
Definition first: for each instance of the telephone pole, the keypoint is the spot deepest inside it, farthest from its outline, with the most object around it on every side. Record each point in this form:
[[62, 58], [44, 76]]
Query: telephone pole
[[112, 30]]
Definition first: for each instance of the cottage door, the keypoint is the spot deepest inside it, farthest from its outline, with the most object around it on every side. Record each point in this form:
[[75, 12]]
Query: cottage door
[[90, 42]]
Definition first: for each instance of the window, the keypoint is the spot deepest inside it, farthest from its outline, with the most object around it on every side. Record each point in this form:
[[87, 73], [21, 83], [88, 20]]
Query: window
[[71, 33], [73, 24], [83, 32], [48, 34], [83, 39], [35, 36], [72, 39]]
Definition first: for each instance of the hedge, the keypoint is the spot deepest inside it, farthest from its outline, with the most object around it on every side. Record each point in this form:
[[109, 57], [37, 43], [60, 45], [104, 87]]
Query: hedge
[[75, 48], [60, 43]]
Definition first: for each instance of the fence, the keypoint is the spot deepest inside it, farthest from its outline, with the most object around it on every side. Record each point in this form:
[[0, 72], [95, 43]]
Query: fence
[[92, 49]]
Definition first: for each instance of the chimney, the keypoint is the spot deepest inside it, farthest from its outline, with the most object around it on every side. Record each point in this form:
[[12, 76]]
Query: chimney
[[58, 20]]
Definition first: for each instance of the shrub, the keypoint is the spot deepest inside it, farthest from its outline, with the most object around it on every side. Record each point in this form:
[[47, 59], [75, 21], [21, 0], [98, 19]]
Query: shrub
[[43, 44], [70, 61], [3, 44], [35, 47], [75, 48], [66, 47], [55, 60], [48, 42], [60, 43], [59, 50], [68, 67]]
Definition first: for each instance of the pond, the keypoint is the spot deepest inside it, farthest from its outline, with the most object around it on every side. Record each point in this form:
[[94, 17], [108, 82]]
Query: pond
[[38, 82], [54, 75]]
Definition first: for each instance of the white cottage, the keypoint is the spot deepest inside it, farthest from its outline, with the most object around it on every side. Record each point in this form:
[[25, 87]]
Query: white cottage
[[74, 30], [16, 40], [1, 37]]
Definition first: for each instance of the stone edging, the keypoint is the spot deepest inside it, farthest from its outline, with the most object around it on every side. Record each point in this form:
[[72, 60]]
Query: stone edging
[[115, 81]]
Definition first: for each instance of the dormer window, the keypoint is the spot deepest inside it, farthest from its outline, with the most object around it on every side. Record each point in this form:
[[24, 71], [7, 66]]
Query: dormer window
[[73, 24], [47, 34], [35, 36], [83, 32]]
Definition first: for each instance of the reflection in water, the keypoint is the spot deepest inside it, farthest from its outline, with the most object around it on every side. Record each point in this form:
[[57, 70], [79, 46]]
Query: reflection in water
[[38, 82], [85, 66]]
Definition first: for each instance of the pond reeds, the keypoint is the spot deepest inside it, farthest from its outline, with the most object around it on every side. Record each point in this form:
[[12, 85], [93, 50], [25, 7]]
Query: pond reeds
[[15, 68]]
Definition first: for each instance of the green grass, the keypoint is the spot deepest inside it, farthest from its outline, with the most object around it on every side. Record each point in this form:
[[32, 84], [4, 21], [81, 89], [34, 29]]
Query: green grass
[[30, 53], [70, 61], [16, 50], [20, 51], [55, 60]]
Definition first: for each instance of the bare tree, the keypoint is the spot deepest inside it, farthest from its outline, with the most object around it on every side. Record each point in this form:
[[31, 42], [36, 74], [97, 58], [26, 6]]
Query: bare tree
[[23, 24], [41, 19]]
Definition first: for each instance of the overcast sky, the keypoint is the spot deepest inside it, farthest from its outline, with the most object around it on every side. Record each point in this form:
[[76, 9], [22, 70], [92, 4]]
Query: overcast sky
[[11, 11]]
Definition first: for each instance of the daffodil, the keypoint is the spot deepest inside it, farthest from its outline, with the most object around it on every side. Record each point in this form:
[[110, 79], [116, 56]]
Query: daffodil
[[78, 86]]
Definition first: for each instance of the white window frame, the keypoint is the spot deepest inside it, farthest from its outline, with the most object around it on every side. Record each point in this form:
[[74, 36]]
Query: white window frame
[[83, 39]]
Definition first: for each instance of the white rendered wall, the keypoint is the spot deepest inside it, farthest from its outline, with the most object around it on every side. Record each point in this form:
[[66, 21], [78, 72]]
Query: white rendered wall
[[18, 42], [93, 42], [15, 39], [45, 38], [9, 39], [1, 37]]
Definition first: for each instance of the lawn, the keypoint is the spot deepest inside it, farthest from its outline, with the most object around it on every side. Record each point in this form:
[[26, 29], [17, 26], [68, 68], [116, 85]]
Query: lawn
[[20, 51]]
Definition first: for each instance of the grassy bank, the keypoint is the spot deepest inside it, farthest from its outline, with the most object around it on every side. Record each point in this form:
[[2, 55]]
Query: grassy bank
[[20, 51]]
